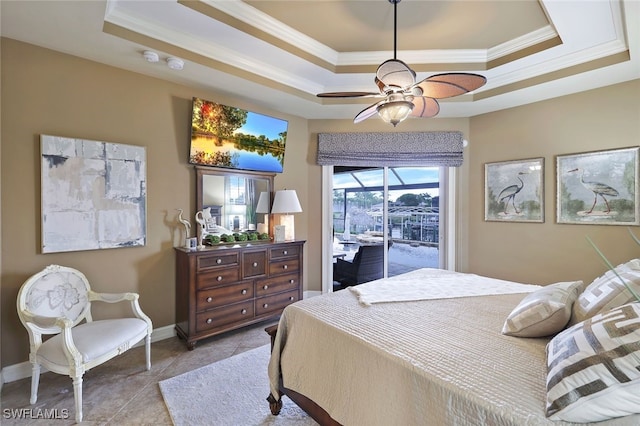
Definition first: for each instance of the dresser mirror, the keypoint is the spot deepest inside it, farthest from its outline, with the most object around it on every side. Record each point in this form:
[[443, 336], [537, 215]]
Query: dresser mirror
[[229, 199]]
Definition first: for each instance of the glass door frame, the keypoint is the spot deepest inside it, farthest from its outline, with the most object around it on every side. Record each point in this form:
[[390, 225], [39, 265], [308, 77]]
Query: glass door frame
[[447, 227]]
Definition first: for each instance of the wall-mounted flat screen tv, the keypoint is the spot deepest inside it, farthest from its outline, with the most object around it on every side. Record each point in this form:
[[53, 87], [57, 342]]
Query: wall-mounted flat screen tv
[[224, 136]]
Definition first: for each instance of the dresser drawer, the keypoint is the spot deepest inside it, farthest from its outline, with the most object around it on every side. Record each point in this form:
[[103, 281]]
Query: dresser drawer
[[218, 260], [223, 316], [254, 264], [217, 278], [284, 266], [219, 296], [277, 302], [277, 284], [284, 252]]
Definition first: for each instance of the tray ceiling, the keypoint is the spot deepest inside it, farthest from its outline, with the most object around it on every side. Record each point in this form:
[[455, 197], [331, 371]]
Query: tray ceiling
[[280, 54]]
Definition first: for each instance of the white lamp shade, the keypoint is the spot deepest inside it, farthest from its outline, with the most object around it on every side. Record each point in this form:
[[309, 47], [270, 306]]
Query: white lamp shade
[[263, 203], [286, 201]]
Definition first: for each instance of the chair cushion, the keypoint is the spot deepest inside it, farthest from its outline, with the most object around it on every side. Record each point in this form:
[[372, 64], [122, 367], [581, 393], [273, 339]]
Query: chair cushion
[[543, 312], [95, 339]]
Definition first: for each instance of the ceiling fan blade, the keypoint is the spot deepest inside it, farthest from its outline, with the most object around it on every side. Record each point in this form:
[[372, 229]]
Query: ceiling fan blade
[[424, 107], [394, 72], [442, 86], [369, 111], [347, 95]]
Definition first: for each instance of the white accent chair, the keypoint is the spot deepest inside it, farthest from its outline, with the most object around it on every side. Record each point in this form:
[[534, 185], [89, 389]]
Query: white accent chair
[[55, 301]]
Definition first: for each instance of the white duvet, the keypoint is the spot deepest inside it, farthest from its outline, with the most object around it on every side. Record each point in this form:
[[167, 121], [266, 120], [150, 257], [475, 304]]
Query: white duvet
[[429, 284]]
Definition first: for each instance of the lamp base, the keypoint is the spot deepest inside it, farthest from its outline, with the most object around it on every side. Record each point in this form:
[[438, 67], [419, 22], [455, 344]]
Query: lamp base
[[289, 232], [279, 233]]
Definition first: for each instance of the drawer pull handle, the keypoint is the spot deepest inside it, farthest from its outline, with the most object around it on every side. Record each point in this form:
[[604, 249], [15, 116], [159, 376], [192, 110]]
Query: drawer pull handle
[[209, 320], [266, 305], [292, 281], [209, 299], [219, 278], [285, 267], [291, 298], [243, 312], [255, 264], [244, 291], [218, 261], [265, 287], [285, 252]]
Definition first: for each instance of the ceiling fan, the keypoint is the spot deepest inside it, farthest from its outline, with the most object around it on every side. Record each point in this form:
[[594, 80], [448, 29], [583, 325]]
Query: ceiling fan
[[403, 97]]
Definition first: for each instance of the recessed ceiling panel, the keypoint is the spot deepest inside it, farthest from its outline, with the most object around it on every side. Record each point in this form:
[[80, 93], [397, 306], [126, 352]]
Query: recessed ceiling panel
[[353, 26]]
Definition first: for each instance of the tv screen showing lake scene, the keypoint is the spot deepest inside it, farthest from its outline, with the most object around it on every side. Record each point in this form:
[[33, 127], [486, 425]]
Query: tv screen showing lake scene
[[224, 136]]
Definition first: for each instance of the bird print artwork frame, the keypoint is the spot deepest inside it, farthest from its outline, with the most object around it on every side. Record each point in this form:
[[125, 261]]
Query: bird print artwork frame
[[514, 191], [598, 187]]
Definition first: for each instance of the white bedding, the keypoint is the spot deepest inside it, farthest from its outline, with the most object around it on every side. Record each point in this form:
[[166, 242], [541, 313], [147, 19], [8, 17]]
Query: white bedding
[[429, 362], [429, 284]]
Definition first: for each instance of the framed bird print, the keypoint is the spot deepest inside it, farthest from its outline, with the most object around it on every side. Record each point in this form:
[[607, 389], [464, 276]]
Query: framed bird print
[[514, 191], [598, 188]]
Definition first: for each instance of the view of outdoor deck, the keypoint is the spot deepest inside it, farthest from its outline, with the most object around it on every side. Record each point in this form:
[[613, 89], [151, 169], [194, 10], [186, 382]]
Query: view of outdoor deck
[[412, 215]]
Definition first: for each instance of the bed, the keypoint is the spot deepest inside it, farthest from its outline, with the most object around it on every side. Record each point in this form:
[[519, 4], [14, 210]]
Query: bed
[[413, 356]]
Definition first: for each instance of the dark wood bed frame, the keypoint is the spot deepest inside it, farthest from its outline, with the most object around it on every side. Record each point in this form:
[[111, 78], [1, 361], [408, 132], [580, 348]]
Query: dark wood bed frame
[[311, 408]]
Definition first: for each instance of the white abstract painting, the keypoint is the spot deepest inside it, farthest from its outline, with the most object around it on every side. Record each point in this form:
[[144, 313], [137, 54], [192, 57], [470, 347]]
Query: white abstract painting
[[93, 194]]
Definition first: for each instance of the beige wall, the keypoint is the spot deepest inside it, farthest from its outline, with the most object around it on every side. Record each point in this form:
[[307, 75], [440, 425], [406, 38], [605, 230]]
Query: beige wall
[[48, 92], [544, 253]]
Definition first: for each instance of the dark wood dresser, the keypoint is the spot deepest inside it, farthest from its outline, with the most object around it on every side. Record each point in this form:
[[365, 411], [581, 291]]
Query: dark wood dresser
[[222, 288]]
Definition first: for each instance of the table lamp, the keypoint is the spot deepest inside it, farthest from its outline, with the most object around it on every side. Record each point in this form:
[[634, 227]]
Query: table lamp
[[263, 207], [286, 202]]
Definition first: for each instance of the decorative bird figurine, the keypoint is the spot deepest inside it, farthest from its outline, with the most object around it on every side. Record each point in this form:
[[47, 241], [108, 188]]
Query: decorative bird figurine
[[597, 188], [509, 194], [187, 226]]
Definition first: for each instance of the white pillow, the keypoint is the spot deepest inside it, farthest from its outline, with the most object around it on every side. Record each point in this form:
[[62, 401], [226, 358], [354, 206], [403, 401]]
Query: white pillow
[[607, 292], [594, 368], [543, 312]]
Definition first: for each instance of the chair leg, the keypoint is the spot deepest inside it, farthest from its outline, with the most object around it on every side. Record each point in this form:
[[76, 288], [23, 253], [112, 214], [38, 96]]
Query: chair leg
[[77, 395], [35, 381], [147, 345]]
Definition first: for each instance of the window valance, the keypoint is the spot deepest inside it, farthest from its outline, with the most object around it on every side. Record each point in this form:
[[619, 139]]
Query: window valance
[[430, 149]]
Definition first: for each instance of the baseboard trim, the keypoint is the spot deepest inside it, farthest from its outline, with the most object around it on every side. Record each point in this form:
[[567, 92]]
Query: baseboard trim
[[11, 373], [309, 293]]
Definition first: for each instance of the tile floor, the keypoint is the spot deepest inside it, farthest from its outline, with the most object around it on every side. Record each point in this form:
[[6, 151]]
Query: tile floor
[[121, 392]]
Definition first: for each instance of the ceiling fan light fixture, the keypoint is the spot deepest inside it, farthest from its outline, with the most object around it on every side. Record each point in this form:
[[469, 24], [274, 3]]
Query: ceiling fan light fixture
[[395, 112]]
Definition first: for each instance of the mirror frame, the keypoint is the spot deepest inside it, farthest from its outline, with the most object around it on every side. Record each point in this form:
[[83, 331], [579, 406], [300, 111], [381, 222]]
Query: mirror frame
[[208, 171]]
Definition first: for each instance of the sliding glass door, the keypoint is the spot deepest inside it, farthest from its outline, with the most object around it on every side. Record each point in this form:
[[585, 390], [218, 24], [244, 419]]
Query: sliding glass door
[[396, 206]]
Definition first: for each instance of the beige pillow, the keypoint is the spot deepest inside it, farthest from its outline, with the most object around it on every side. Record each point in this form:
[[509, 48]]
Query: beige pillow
[[543, 312], [593, 368], [607, 292]]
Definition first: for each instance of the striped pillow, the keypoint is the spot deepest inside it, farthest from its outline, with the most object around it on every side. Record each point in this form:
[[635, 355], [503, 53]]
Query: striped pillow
[[593, 368], [607, 292], [543, 312]]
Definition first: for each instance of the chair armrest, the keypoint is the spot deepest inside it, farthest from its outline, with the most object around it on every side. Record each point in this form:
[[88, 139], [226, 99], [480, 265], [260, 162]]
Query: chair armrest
[[47, 322], [112, 297], [344, 263], [38, 324], [123, 297]]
